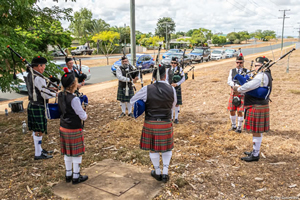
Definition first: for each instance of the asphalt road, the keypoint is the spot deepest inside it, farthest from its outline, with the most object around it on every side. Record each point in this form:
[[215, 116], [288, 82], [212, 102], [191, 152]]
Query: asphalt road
[[101, 74]]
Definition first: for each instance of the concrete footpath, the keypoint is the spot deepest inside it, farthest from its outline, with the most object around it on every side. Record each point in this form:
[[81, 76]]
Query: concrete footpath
[[112, 180]]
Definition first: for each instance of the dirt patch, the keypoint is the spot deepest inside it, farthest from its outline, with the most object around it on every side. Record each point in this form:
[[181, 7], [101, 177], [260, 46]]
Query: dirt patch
[[206, 159]]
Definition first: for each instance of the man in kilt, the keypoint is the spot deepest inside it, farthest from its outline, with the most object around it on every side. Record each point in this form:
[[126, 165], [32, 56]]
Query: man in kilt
[[71, 134], [157, 133], [257, 118], [37, 92], [125, 84], [236, 108], [175, 77]]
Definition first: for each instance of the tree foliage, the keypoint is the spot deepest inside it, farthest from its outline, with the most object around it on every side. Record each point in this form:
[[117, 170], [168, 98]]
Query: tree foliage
[[24, 26], [165, 26]]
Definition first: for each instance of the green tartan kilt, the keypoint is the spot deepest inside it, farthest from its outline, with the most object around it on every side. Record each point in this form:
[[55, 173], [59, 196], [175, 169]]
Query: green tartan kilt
[[179, 97], [121, 94], [37, 121]]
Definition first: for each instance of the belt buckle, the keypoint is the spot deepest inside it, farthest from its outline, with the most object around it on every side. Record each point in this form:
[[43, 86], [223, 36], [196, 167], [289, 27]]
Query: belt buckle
[[158, 120]]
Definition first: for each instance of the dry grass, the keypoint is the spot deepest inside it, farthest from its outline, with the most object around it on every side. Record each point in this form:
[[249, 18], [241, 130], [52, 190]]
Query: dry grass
[[206, 159]]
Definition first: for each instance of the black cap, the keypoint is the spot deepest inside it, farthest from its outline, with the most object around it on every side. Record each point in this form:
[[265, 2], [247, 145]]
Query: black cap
[[162, 70], [68, 59], [175, 59], [68, 78], [240, 57], [261, 60], [38, 60], [123, 58]]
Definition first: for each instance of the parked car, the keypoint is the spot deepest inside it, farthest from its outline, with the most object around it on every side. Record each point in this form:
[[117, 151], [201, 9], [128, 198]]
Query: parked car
[[167, 61], [82, 50], [218, 54], [57, 53], [171, 51], [60, 64], [200, 54], [230, 53], [144, 60]]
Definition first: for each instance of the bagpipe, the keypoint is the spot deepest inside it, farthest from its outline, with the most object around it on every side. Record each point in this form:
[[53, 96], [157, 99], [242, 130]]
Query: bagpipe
[[260, 92], [156, 65]]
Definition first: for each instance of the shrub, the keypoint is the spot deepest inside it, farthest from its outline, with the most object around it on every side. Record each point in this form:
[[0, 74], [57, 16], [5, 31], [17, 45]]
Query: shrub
[[236, 41]]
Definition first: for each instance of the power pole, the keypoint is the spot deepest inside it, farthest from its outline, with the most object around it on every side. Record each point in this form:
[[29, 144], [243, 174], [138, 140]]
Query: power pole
[[298, 31], [124, 35], [132, 32], [167, 23], [284, 16]]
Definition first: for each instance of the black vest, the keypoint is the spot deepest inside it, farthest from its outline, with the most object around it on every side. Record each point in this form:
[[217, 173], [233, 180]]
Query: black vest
[[250, 100], [171, 75], [159, 105], [124, 73], [234, 73], [70, 119], [40, 99]]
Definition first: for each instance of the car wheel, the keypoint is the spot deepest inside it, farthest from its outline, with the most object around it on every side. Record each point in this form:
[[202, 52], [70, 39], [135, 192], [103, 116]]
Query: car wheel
[[208, 59], [201, 61], [90, 53], [84, 53], [190, 63]]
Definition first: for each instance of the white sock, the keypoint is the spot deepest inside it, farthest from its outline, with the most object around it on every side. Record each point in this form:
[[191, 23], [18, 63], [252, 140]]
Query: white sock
[[256, 145], [176, 112], [37, 147], [240, 121], [155, 161], [40, 144], [178, 109], [166, 157], [76, 166], [129, 107], [233, 119], [123, 107], [172, 110], [68, 164]]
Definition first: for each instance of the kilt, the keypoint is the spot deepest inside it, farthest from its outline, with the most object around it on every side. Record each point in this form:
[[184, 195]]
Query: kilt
[[37, 120], [232, 107], [257, 118], [121, 94], [71, 142], [157, 136], [179, 97]]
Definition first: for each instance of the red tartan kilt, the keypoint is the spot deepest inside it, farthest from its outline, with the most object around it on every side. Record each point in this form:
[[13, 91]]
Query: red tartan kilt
[[157, 136], [257, 118], [71, 142], [232, 107]]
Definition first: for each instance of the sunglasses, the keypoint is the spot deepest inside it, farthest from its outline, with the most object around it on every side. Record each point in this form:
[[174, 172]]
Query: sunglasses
[[239, 62], [173, 62]]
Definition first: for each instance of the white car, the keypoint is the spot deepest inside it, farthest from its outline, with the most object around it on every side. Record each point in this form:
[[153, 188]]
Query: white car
[[218, 54], [22, 85]]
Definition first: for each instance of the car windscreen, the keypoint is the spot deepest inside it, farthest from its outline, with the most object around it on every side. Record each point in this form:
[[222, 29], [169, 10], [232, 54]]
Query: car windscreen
[[172, 51], [197, 51], [229, 51], [216, 52]]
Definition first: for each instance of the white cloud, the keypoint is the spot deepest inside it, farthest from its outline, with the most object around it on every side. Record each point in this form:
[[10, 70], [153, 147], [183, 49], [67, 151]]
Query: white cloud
[[217, 15]]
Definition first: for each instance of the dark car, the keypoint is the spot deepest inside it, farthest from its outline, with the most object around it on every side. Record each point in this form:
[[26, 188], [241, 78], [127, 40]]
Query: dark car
[[167, 61], [144, 60], [200, 54]]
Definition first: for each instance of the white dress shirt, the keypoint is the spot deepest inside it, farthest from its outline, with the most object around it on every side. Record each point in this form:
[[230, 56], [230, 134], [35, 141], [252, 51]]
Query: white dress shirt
[[229, 81], [254, 83], [76, 105], [174, 70], [40, 83], [120, 76], [142, 94]]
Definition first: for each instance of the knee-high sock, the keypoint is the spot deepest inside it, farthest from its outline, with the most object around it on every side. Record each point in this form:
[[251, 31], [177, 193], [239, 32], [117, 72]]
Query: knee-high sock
[[129, 107], [155, 161], [172, 110], [166, 157], [176, 112], [76, 166], [240, 121], [233, 119], [68, 164], [123, 107], [256, 145], [37, 143]]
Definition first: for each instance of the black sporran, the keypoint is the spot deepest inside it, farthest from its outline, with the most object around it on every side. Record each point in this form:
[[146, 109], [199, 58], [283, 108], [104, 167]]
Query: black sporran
[[236, 101]]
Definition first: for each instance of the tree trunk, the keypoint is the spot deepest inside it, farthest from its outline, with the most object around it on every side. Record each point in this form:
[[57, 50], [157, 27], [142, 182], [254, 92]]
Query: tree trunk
[[107, 61], [97, 46]]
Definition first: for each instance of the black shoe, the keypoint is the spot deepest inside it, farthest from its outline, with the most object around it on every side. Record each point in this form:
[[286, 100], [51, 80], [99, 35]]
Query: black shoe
[[165, 178], [69, 178], [42, 156], [250, 158], [121, 115], [80, 179], [176, 121], [46, 152], [233, 128], [157, 177], [131, 115], [238, 130], [248, 153]]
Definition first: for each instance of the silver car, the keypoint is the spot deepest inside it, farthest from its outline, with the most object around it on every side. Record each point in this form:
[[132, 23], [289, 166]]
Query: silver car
[[230, 53]]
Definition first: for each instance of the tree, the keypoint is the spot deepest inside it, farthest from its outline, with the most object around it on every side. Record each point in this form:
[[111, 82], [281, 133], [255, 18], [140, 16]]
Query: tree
[[108, 41], [215, 39], [165, 26], [82, 25], [244, 35], [124, 33], [267, 35], [190, 32], [98, 25], [233, 36], [17, 18]]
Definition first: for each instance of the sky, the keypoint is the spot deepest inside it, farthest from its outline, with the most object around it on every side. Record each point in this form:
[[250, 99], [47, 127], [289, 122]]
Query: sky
[[217, 15]]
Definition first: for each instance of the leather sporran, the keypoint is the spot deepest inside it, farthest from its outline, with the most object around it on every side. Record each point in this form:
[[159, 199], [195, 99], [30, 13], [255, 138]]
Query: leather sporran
[[236, 101]]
